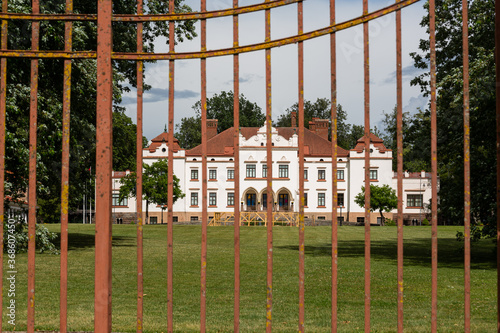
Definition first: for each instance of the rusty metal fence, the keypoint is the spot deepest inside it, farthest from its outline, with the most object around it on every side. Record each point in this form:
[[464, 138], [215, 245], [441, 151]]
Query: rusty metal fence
[[105, 55]]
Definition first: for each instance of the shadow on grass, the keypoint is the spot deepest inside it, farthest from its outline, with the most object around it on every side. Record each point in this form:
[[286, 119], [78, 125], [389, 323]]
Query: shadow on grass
[[417, 251], [79, 241]]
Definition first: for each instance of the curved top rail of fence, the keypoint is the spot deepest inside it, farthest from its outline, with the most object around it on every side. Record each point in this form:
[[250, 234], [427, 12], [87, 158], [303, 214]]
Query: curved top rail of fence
[[211, 53], [150, 17]]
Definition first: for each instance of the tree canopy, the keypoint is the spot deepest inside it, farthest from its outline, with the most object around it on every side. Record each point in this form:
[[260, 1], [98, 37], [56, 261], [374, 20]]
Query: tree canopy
[[347, 134], [154, 185], [220, 107], [450, 108], [83, 98], [382, 198]]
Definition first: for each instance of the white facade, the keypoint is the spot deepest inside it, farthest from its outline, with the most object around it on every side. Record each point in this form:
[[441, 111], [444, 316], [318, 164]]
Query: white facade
[[285, 171]]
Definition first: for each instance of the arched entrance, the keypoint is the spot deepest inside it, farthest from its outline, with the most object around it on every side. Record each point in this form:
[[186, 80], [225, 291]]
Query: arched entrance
[[249, 200], [285, 202], [264, 201]]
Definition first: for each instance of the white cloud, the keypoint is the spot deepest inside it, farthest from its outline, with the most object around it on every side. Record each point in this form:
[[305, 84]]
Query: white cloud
[[285, 62]]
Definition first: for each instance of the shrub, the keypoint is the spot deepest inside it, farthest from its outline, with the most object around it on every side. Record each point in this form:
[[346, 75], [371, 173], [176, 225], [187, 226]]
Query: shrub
[[17, 233], [389, 222], [426, 222]]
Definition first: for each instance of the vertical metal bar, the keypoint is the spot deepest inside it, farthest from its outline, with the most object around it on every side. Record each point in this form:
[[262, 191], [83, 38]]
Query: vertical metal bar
[[399, 131], [333, 70], [497, 94], [432, 36], [63, 304], [467, 187], [300, 46], [3, 93], [366, 48], [104, 162], [204, 215], [170, 239], [32, 197], [140, 221], [270, 199], [236, 141]]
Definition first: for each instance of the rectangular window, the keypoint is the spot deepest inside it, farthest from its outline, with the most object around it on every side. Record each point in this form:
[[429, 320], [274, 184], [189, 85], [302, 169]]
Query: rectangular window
[[373, 175], [305, 174], [264, 170], [117, 202], [305, 199], [340, 174], [175, 218], [153, 220], [321, 199], [230, 199], [194, 218], [340, 199], [321, 174], [360, 219], [212, 174], [283, 171], [194, 199], [230, 173], [212, 199], [414, 200], [194, 174], [250, 170]]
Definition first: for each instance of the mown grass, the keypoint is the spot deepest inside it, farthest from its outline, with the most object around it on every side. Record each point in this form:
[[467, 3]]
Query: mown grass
[[187, 249]]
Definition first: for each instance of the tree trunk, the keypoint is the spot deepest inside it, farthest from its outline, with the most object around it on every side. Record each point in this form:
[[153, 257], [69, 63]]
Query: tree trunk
[[382, 220]]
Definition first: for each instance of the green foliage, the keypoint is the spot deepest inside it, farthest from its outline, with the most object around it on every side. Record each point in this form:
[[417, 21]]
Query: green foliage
[[390, 223], [124, 142], [154, 185], [450, 109], [426, 222], [18, 235], [347, 134], [220, 107], [382, 198], [475, 234], [416, 139], [83, 97]]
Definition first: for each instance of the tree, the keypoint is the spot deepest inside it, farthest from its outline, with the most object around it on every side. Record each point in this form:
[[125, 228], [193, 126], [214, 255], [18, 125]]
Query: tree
[[382, 198], [347, 134], [416, 140], [154, 186], [450, 109], [83, 96], [320, 109], [124, 142], [220, 107]]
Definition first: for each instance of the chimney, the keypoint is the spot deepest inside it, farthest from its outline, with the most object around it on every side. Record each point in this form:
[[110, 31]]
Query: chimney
[[321, 128], [312, 125], [211, 128], [294, 119]]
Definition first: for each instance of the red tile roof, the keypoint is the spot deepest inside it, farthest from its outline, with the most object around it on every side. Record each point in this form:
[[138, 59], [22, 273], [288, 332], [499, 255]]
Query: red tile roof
[[375, 140], [223, 143], [163, 137]]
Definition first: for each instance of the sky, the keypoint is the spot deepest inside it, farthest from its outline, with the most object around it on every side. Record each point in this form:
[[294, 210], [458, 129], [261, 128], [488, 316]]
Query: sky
[[284, 63]]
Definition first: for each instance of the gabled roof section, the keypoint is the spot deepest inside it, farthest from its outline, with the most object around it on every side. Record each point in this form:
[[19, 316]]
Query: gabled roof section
[[317, 146], [223, 143], [375, 140], [163, 137]]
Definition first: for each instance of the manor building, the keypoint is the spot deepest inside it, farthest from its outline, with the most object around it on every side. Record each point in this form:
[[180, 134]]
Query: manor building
[[187, 166]]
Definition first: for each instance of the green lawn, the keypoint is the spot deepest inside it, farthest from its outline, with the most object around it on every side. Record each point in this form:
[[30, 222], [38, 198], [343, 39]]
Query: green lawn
[[187, 248]]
